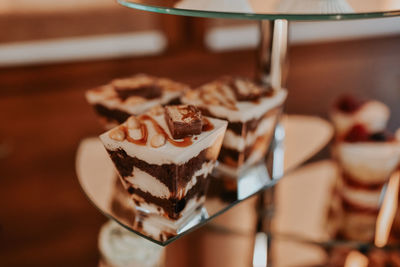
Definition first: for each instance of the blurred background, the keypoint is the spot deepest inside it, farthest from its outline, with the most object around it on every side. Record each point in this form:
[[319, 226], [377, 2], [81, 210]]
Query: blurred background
[[52, 51]]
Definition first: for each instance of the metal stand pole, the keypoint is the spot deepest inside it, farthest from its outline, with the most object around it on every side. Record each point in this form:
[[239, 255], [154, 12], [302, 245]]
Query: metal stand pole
[[272, 70]]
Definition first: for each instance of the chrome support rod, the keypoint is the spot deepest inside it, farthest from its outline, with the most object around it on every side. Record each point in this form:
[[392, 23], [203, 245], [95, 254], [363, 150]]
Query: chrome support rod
[[272, 70], [272, 65]]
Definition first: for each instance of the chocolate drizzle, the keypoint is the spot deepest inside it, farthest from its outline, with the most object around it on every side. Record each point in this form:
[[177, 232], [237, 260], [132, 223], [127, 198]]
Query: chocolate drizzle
[[207, 125], [187, 141], [142, 141]]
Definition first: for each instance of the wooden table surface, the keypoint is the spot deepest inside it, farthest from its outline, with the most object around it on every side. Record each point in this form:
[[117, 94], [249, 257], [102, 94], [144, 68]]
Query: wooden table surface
[[45, 219]]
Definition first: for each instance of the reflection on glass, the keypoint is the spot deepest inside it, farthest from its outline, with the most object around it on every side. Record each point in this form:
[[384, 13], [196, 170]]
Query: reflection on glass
[[315, 6], [304, 137], [212, 5]]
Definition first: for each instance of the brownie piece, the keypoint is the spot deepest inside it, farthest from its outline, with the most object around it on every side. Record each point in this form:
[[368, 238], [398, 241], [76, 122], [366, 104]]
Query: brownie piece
[[183, 120]]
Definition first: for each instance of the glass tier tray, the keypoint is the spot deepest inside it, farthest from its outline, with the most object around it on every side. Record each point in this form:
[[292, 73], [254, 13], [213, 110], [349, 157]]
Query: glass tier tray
[[273, 9], [304, 226], [297, 140], [318, 223]]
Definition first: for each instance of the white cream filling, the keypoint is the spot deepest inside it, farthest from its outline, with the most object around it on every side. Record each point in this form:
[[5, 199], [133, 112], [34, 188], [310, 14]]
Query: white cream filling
[[169, 153], [362, 197], [239, 143], [246, 110], [149, 184], [369, 162], [373, 115], [205, 170]]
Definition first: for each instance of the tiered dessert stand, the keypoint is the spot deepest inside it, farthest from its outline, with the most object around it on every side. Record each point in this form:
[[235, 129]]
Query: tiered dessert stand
[[297, 138]]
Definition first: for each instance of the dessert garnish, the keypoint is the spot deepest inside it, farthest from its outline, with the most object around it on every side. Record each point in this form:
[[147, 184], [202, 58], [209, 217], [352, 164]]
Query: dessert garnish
[[349, 104], [246, 90], [183, 120], [359, 133]]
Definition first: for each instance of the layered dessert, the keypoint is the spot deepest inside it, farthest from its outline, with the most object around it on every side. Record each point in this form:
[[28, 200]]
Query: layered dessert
[[346, 256], [121, 98], [367, 155], [252, 112], [349, 111], [164, 157], [367, 161]]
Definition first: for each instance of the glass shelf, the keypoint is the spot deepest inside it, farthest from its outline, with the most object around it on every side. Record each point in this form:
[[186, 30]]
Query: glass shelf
[[301, 136], [303, 225], [316, 225], [273, 9]]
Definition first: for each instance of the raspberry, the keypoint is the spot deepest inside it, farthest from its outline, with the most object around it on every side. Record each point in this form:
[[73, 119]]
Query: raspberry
[[357, 134], [348, 104]]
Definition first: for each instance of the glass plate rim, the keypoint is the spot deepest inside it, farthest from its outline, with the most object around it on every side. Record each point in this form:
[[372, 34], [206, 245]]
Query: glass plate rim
[[264, 16]]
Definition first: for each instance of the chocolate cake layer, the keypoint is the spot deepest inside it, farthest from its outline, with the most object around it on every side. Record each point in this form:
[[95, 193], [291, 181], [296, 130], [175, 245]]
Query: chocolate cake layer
[[351, 207], [172, 175], [174, 101], [248, 126], [119, 115], [115, 114], [348, 180], [149, 91], [173, 206]]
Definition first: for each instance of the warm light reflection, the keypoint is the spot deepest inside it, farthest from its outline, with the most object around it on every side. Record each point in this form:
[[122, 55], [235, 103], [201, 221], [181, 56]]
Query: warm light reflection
[[388, 211], [260, 254], [356, 259]]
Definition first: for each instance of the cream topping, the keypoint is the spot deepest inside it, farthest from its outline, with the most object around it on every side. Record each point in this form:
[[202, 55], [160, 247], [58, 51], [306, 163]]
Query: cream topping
[[373, 115], [168, 153], [244, 110], [369, 162]]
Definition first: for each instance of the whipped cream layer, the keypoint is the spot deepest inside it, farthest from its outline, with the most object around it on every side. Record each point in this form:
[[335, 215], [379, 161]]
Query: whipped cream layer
[[362, 198], [245, 110], [373, 115], [239, 143], [150, 184], [369, 162], [168, 153]]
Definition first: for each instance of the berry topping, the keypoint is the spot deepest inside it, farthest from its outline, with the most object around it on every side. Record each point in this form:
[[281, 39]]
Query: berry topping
[[381, 137], [348, 104], [357, 134]]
